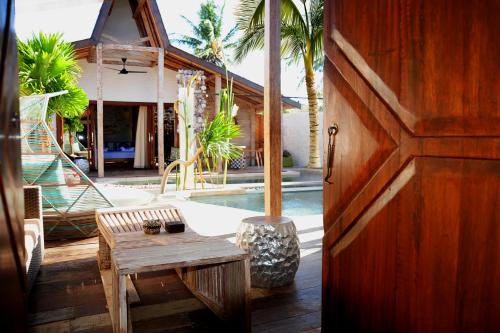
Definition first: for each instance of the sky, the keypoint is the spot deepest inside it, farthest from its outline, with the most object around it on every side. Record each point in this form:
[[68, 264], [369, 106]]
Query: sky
[[51, 16]]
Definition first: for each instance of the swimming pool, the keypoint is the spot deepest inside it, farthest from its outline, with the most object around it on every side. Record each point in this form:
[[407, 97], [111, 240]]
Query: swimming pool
[[295, 203], [148, 181]]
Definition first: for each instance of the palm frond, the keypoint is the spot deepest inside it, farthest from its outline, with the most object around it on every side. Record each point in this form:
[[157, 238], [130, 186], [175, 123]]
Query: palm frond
[[196, 31], [230, 34], [250, 13], [188, 41], [293, 41], [250, 17], [252, 39], [317, 8]]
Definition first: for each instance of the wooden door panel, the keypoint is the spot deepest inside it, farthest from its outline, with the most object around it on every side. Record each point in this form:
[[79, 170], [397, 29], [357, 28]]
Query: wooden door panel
[[370, 152], [12, 252], [412, 215], [422, 262], [428, 59]]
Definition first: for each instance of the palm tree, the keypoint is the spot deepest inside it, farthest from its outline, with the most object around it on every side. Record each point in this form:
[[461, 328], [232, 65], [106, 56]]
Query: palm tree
[[207, 42], [301, 40]]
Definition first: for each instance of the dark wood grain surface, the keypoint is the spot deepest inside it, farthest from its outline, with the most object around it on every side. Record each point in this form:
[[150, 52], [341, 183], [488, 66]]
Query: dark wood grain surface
[[68, 296], [12, 256], [412, 217]]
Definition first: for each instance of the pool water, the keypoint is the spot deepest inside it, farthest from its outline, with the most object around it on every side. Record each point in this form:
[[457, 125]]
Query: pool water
[[295, 203], [148, 182]]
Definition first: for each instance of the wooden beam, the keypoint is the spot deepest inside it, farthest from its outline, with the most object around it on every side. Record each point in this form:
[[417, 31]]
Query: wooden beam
[[272, 109], [118, 62], [124, 47], [161, 144], [140, 41], [111, 38], [130, 55], [139, 7], [100, 114], [218, 86]]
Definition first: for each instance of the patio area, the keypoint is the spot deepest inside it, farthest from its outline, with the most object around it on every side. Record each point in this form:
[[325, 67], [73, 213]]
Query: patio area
[[68, 295]]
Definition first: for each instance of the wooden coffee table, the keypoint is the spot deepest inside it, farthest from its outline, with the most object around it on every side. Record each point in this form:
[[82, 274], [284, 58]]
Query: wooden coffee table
[[215, 270]]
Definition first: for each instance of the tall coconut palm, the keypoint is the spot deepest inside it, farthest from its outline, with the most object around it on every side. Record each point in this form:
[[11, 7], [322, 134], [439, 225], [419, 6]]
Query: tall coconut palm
[[207, 42], [301, 40]]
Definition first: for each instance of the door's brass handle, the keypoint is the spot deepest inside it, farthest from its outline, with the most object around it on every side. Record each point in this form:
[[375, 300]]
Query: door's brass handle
[[332, 132]]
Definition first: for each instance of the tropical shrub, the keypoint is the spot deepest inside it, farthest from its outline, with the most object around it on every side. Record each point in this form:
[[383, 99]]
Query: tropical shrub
[[48, 64], [215, 138]]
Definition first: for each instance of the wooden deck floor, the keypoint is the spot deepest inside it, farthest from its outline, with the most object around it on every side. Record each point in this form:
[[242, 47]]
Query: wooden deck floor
[[69, 297]]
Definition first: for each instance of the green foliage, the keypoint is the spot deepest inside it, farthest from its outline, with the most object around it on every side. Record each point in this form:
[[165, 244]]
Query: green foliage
[[207, 42], [301, 29], [301, 40], [227, 105], [73, 125], [48, 64], [216, 135]]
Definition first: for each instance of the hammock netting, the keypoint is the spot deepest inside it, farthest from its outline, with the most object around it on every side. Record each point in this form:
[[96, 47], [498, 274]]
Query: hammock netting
[[69, 197]]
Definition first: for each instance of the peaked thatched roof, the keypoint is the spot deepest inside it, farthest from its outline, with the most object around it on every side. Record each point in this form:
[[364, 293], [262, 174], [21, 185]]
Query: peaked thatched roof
[[150, 24]]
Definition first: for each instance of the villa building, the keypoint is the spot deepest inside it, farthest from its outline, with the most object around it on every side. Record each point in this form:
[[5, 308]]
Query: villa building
[[134, 30]]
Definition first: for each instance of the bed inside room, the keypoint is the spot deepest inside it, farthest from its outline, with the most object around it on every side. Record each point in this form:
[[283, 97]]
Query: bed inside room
[[120, 127]]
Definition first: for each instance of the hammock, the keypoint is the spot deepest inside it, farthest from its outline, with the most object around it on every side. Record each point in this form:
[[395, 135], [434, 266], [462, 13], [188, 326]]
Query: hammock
[[69, 197]]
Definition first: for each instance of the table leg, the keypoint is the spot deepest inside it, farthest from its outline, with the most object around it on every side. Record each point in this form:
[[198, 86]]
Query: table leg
[[120, 314], [237, 293], [224, 288], [104, 254]]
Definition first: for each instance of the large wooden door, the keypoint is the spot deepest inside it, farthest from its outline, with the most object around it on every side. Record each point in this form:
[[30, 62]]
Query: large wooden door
[[412, 214], [12, 256]]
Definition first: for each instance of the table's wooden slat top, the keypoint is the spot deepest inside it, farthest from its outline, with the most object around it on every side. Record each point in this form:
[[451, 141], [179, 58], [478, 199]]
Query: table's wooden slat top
[[130, 220], [133, 251], [153, 258]]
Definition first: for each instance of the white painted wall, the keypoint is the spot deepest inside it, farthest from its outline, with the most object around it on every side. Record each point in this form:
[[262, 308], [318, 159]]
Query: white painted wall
[[244, 120], [130, 87], [295, 129]]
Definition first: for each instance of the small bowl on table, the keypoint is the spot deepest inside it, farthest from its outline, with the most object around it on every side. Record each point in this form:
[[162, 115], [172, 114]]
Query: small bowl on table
[[151, 227]]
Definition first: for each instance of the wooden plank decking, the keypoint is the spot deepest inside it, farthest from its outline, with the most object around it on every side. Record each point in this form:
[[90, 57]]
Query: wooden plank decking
[[69, 297]]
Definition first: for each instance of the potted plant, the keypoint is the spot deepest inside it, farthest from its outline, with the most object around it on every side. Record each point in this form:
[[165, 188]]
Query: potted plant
[[287, 159]]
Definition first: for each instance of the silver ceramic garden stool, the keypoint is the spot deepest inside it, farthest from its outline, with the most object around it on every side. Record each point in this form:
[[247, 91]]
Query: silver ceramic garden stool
[[275, 249]]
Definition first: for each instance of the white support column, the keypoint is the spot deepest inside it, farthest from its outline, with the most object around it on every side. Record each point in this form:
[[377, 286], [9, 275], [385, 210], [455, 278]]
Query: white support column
[[272, 108], [100, 114], [161, 143]]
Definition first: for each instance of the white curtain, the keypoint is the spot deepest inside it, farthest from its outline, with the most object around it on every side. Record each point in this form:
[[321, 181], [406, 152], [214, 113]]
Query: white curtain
[[140, 139]]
